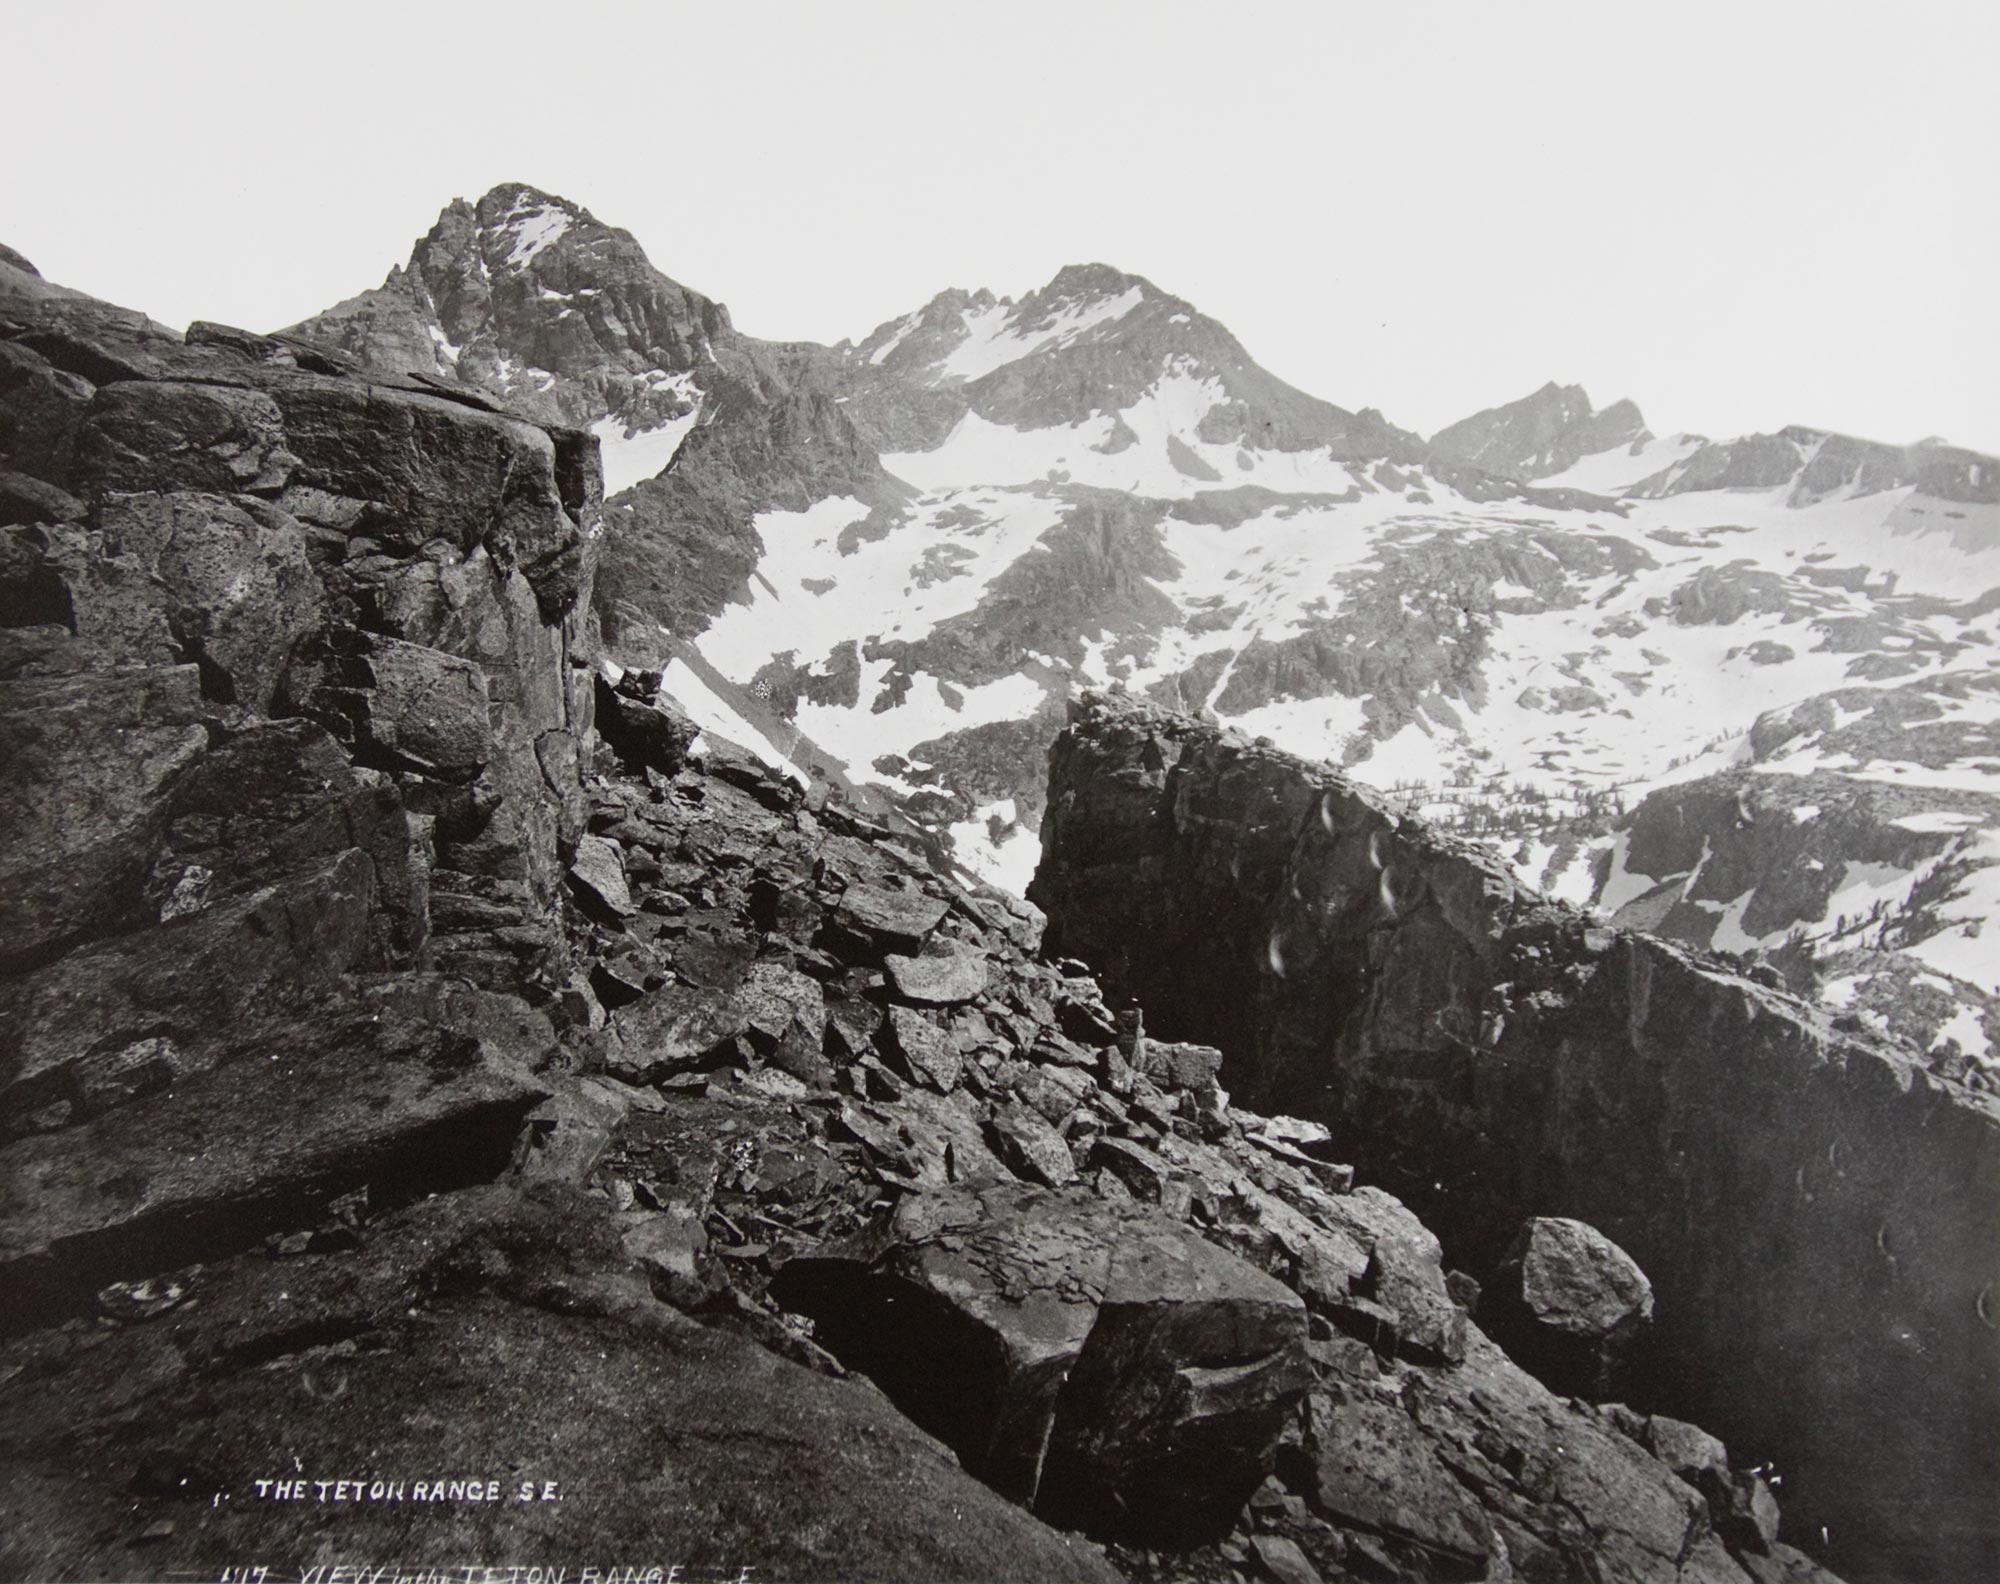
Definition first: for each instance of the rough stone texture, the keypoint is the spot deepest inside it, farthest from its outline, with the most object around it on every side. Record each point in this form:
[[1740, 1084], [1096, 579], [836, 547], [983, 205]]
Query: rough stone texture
[[644, 733], [404, 567], [1819, 1217], [598, 871], [335, 1124], [1569, 1304], [1100, 1363], [900, 920], [940, 978], [492, 1335]]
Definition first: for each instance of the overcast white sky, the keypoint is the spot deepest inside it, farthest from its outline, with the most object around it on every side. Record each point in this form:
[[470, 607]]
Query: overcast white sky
[[1742, 215]]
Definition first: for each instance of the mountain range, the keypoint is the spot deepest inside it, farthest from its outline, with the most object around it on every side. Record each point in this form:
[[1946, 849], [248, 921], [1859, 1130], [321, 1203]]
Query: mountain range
[[1742, 692], [493, 983]]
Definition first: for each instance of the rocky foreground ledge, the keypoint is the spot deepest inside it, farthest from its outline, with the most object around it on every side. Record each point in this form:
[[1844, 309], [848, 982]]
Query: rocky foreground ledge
[[1819, 1215], [455, 1119]]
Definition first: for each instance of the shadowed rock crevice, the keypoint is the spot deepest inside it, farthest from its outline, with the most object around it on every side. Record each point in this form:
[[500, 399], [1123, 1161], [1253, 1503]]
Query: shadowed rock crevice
[[423, 1052], [1818, 1214]]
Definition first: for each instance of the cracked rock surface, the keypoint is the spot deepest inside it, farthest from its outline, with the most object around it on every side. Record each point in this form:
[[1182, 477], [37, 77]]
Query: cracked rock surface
[[419, 1064]]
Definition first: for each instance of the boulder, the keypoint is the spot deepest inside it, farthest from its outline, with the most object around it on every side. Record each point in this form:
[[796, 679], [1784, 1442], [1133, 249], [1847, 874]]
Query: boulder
[[897, 921], [945, 976], [1032, 1149], [922, 1051], [1569, 1304], [1098, 1361], [1188, 1378], [597, 874], [1690, 1451], [646, 735], [1180, 1066], [784, 1018], [678, 1028]]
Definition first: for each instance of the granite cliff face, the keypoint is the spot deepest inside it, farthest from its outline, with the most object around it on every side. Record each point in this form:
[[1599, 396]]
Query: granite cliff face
[[428, 1058], [1818, 1214]]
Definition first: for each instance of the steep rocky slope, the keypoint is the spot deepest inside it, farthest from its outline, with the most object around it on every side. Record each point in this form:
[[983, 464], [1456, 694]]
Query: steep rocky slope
[[532, 299], [1819, 1215], [1541, 435], [918, 545], [463, 1114]]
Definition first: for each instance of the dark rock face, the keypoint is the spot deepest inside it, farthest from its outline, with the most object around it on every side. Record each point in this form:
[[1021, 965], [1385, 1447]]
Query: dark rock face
[[1569, 1304], [1098, 1361], [1539, 435], [286, 656], [403, 1077], [1819, 1217]]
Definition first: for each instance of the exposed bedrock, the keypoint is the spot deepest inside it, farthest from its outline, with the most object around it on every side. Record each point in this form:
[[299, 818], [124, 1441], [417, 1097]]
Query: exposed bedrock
[[1819, 1217], [292, 681]]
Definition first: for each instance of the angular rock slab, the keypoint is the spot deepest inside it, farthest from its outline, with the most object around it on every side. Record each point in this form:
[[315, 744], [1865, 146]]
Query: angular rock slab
[[922, 1051], [898, 920], [1170, 1418], [501, 1334], [1098, 1361], [399, 1099], [945, 979], [598, 871], [1374, 1468]]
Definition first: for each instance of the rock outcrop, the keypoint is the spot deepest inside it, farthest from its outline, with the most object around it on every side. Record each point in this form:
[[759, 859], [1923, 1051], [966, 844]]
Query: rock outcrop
[[1540, 435], [534, 301], [442, 1131], [290, 692], [1818, 1215]]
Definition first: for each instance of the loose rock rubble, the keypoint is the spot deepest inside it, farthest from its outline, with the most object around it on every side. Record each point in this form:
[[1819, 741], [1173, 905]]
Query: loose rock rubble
[[420, 1062], [1816, 1214]]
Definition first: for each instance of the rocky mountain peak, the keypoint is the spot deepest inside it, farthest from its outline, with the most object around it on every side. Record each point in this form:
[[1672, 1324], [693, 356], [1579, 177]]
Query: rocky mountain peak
[[1543, 434], [643, 1076], [1094, 346], [531, 297]]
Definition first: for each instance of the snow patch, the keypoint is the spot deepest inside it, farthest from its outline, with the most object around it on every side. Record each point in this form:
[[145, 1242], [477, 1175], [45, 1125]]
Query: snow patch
[[632, 456], [990, 343], [708, 710], [533, 230]]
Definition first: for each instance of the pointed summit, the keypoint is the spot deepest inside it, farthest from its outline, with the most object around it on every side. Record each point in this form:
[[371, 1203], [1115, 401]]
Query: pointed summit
[[530, 297], [1093, 343], [1540, 435]]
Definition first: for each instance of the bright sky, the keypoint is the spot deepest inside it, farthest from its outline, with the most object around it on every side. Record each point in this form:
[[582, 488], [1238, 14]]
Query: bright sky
[[1741, 214]]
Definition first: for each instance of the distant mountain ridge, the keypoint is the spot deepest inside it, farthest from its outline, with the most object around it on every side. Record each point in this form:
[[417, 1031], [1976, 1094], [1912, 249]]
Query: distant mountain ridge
[[1544, 623]]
